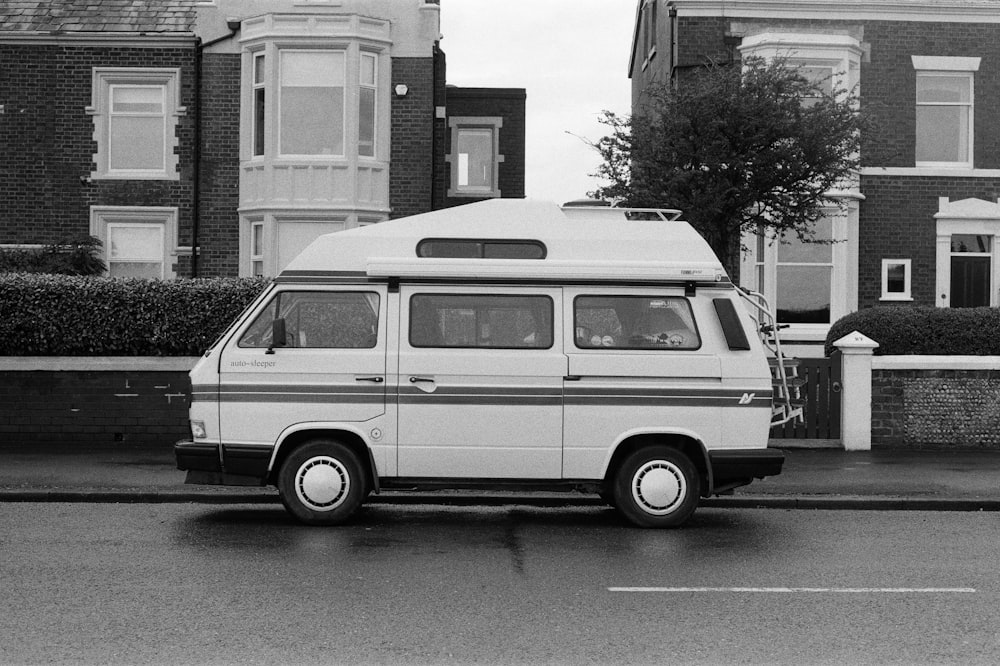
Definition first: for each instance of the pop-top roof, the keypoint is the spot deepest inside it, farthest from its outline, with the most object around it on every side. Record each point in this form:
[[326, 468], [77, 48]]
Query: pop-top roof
[[580, 243]]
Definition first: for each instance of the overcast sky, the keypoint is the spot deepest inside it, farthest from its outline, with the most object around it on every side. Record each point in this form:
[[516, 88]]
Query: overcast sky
[[571, 56]]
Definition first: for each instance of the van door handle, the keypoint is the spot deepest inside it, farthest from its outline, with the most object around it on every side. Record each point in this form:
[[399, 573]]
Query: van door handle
[[572, 378], [414, 380], [377, 380]]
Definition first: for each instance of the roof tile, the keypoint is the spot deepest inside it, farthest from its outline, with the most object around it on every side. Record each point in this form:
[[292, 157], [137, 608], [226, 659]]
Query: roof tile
[[98, 15]]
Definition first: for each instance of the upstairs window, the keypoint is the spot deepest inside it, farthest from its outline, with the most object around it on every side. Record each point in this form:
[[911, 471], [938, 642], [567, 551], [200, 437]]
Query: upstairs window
[[648, 31], [475, 157], [366, 104], [135, 117], [259, 89], [944, 110], [311, 106]]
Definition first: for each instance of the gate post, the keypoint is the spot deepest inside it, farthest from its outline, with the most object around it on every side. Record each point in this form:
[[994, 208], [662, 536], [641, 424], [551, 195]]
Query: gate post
[[856, 407]]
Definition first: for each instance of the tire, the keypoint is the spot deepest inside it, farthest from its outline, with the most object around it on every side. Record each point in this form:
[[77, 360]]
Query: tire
[[322, 483], [657, 486]]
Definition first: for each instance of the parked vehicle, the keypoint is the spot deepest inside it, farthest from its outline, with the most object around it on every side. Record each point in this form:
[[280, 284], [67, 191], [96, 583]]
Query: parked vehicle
[[503, 344]]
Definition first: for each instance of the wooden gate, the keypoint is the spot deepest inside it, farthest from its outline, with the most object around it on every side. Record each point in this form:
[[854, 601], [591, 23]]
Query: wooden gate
[[822, 391]]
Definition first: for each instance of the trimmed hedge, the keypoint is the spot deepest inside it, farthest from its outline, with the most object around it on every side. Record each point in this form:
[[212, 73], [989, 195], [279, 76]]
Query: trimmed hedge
[[56, 315], [69, 257], [924, 330]]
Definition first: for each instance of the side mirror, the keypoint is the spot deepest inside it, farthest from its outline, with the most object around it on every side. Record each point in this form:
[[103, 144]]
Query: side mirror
[[278, 335]]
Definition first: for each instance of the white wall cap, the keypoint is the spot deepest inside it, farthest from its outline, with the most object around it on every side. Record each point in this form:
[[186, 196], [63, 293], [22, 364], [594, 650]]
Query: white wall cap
[[855, 340], [958, 362]]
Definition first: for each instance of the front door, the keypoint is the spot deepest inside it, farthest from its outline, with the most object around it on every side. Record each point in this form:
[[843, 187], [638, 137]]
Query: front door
[[971, 260], [480, 382], [329, 368]]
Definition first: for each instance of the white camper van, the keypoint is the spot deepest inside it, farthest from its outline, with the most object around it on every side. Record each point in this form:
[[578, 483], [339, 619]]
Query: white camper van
[[503, 344]]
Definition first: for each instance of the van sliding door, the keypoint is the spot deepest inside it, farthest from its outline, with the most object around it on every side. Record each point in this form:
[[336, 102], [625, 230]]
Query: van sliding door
[[480, 382]]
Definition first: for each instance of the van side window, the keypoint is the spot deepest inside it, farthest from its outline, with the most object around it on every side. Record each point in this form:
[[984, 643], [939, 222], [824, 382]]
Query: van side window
[[634, 322], [481, 320], [318, 319]]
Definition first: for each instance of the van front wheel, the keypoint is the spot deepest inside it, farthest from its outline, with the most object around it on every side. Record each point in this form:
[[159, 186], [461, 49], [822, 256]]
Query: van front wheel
[[657, 486], [321, 483]]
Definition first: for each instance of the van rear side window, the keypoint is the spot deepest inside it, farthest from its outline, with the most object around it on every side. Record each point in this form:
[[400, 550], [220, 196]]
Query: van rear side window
[[318, 319], [634, 322], [481, 321]]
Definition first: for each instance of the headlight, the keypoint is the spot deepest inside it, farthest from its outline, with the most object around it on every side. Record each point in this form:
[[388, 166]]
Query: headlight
[[198, 430]]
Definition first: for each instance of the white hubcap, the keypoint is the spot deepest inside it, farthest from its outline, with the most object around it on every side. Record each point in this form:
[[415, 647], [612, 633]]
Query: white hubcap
[[658, 487], [322, 483]]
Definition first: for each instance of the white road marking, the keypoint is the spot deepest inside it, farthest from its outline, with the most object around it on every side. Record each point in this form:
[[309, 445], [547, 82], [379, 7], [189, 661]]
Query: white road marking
[[791, 590]]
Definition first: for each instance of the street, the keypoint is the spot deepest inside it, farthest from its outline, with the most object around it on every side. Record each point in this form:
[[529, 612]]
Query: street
[[427, 584]]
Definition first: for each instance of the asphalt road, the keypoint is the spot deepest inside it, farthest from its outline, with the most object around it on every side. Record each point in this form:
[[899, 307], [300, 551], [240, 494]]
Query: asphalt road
[[145, 583]]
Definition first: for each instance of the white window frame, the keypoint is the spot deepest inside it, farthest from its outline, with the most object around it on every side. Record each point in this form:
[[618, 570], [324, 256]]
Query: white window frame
[[949, 66], [258, 85], [374, 87], [459, 123], [648, 13], [257, 244], [906, 294], [106, 79], [104, 217]]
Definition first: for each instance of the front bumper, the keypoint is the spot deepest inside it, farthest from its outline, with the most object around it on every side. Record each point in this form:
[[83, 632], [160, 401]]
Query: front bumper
[[204, 465]]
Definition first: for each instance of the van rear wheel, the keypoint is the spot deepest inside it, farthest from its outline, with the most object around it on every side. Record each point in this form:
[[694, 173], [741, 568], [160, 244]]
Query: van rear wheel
[[657, 486], [322, 483]]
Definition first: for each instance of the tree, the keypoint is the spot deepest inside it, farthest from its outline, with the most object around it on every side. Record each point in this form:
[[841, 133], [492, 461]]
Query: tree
[[757, 147]]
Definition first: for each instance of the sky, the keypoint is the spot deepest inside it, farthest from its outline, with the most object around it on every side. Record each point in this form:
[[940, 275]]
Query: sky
[[571, 56]]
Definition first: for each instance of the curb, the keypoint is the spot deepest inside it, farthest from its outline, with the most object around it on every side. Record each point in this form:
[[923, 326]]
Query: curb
[[827, 503]]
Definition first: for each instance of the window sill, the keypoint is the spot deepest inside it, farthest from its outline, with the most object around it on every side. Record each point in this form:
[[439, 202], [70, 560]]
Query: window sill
[[482, 194], [134, 176], [936, 171], [896, 299]]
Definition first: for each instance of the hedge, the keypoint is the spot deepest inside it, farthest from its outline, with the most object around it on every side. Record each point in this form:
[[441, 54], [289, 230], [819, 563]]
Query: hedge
[[924, 330], [56, 315], [68, 257]]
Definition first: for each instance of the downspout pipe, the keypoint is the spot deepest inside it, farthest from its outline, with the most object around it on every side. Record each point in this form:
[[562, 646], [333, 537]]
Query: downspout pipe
[[234, 27]]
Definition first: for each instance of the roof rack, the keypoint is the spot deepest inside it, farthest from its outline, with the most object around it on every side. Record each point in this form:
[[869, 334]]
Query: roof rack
[[665, 214]]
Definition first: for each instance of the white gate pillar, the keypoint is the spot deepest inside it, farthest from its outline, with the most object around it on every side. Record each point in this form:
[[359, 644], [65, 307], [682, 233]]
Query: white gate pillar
[[856, 405]]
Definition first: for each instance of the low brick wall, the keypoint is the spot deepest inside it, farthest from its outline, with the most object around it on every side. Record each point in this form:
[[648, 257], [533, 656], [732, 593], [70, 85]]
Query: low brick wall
[[93, 402], [936, 401]]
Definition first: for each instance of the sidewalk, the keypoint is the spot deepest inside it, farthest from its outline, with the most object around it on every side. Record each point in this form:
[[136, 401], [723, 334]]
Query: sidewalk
[[889, 479]]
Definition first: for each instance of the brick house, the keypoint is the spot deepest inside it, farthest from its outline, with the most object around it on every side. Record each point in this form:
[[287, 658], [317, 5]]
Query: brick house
[[241, 129], [921, 225]]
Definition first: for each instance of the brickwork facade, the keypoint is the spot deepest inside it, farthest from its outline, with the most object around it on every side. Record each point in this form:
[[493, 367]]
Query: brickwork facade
[[47, 139], [897, 198], [411, 176], [218, 196], [487, 102], [54, 188]]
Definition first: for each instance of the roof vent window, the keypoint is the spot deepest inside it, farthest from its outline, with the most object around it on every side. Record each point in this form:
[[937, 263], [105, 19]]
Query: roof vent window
[[464, 248]]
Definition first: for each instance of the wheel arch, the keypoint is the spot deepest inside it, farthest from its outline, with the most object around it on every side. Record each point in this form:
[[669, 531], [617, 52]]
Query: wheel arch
[[298, 436], [685, 442]]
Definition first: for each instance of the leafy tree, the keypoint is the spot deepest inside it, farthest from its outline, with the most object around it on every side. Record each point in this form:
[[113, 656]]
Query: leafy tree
[[738, 148]]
